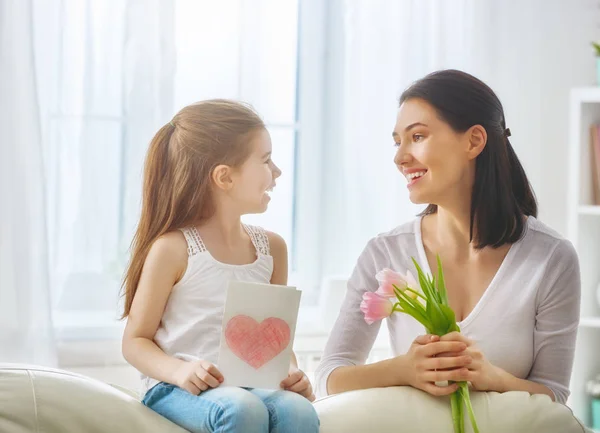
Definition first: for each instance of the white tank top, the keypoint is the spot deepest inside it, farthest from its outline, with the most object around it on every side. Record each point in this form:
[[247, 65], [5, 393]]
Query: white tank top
[[190, 327]]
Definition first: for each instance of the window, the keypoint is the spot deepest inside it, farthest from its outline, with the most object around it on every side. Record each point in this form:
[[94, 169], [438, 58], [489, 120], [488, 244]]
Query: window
[[254, 59], [122, 69]]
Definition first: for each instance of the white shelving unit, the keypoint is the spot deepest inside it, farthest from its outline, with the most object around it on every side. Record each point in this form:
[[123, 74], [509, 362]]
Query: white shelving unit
[[584, 232]]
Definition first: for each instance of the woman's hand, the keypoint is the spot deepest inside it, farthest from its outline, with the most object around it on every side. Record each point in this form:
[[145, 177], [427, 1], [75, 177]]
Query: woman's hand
[[197, 376], [298, 382], [425, 367], [483, 375]]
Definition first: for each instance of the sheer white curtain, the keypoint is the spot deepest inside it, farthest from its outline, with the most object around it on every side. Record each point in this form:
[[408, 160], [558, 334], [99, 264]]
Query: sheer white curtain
[[26, 333], [83, 85], [383, 47], [106, 82], [113, 72], [379, 47]]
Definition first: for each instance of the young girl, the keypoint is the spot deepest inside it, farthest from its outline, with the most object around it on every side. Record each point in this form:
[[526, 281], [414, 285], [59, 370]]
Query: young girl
[[204, 169]]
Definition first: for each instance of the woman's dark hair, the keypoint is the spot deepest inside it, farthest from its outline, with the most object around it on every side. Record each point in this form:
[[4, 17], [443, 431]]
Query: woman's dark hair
[[501, 195]]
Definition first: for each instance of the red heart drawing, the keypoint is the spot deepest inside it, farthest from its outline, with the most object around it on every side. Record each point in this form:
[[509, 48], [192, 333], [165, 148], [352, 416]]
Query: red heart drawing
[[256, 343]]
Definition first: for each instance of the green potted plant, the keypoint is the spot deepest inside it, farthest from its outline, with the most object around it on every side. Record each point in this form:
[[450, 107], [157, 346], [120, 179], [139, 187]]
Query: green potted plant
[[596, 46]]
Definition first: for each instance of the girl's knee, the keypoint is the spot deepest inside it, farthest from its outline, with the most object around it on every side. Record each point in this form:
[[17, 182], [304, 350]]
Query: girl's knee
[[242, 411], [294, 411]]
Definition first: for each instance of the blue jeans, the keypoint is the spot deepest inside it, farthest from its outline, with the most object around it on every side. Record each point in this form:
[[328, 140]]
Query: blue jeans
[[233, 410]]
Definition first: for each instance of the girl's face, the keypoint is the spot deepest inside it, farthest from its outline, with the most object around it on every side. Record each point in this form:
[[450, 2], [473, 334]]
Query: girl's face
[[438, 162], [255, 178]]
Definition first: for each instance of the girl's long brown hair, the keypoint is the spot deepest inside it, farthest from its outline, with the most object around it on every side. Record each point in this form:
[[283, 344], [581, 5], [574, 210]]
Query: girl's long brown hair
[[179, 162]]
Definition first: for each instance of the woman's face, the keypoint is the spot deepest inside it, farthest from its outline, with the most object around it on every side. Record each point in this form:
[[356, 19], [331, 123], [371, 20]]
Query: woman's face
[[437, 161]]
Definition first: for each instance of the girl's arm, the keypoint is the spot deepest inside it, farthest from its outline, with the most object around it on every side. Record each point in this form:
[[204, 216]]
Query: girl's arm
[[280, 259], [164, 266], [297, 380]]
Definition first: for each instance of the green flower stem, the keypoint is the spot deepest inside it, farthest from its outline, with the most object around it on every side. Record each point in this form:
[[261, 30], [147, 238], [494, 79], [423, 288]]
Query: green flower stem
[[413, 308], [408, 289], [438, 318], [467, 399], [457, 416]]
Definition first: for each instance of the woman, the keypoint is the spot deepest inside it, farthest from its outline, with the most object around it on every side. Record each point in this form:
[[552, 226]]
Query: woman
[[513, 282]]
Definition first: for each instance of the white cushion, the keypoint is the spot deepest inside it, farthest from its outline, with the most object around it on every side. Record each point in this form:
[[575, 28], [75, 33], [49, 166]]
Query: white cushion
[[409, 410], [39, 399]]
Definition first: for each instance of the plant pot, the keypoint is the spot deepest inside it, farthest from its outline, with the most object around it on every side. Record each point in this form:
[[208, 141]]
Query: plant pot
[[598, 71]]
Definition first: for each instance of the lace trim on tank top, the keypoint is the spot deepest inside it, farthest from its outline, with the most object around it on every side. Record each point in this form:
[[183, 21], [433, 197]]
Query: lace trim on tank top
[[258, 236], [194, 241]]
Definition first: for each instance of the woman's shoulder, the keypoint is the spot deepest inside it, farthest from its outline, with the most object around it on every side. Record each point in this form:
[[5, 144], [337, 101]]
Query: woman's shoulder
[[543, 229], [399, 238], [556, 255], [408, 229], [544, 238]]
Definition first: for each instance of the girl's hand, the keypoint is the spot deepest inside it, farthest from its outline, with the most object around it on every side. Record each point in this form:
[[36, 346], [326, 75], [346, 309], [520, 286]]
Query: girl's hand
[[197, 376], [425, 367], [298, 382], [481, 373]]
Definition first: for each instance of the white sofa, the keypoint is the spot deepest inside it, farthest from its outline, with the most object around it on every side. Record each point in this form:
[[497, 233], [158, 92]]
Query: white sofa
[[39, 399], [406, 409]]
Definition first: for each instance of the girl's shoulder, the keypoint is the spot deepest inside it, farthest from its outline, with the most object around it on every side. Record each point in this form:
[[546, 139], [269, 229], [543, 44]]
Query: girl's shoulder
[[267, 242], [279, 254], [276, 242], [172, 242], [168, 253]]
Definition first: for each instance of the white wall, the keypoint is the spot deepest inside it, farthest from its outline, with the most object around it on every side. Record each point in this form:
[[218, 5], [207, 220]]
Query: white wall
[[531, 52], [538, 62]]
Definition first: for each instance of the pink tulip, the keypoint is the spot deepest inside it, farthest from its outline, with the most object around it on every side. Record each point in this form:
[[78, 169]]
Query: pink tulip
[[375, 307], [388, 279]]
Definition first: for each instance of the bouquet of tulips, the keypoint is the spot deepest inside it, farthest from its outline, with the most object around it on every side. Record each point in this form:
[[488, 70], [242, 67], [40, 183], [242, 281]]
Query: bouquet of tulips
[[429, 306]]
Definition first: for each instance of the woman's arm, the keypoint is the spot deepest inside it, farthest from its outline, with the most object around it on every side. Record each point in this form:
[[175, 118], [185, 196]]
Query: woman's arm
[[280, 276], [508, 382], [351, 339], [342, 367], [556, 324], [376, 375], [484, 376]]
